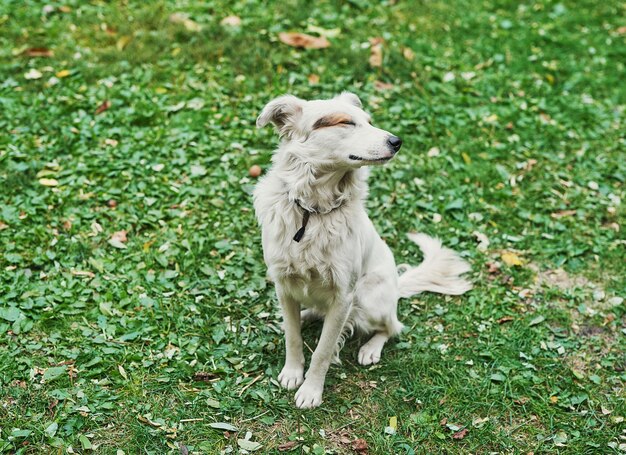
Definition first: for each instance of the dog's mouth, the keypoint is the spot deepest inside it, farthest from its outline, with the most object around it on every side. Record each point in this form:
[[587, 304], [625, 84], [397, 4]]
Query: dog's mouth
[[369, 160]]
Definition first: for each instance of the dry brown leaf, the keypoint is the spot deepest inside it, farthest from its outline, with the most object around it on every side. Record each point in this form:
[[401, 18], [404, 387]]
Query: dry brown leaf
[[360, 446], [3, 226], [381, 86], [376, 52], [313, 79], [103, 107], [303, 40], [38, 52], [505, 319], [231, 21], [65, 9], [285, 446], [460, 434], [562, 214], [120, 236], [621, 30]]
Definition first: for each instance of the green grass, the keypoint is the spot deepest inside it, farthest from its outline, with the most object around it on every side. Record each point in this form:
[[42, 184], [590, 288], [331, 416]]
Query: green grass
[[142, 348]]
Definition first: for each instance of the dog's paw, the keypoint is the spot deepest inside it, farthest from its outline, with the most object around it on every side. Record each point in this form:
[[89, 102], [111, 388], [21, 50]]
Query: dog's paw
[[369, 355], [309, 395], [291, 377]]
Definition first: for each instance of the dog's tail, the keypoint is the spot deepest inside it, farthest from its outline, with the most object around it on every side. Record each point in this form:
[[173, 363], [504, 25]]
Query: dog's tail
[[440, 271]]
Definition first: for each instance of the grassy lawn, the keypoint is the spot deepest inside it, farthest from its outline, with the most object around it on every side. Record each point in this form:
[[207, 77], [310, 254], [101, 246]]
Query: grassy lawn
[[135, 316]]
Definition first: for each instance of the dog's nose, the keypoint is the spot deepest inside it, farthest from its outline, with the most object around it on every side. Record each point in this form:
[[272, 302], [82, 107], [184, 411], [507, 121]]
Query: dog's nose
[[395, 142]]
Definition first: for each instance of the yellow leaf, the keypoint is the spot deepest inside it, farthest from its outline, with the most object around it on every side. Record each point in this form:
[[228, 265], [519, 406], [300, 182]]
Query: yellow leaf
[[466, 158], [511, 259], [63, 73], [123, 42], [49, 182], [393, 422], [160, 90], [554, 399]]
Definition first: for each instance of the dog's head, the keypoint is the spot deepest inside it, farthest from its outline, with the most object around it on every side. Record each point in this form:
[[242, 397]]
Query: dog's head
[[336, 132]]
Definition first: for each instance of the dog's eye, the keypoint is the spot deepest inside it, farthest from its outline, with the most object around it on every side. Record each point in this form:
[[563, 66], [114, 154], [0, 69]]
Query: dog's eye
[[347, 122]]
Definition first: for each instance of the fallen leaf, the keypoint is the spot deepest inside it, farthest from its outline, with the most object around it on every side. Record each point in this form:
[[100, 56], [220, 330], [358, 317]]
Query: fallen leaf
[[483, 240], [122, 371], [63, 73], [479, 422], [38, 52], [521, 401], [554, 399], [408, 53], [505, 319], [511, 259], [286, 446], [120, 236], [248, 445], [381, 86], [360, 445], [123, 42], [33, 74], [537, 320], [313, 79], [223, 426], [106, 104], [303, 40], [562, 214], [183, 18], [118, 240], [460, 434], [231, 21], [376, 52], [393, 422], [3, 226], [86, 273], [111, 142], [49, 182], [621, 30]]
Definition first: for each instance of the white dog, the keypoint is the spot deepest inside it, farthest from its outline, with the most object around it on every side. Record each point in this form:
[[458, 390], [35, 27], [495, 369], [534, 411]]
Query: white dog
[[320, 247]]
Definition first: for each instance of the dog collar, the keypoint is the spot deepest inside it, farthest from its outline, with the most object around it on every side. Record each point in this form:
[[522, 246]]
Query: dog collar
[[305, 219]]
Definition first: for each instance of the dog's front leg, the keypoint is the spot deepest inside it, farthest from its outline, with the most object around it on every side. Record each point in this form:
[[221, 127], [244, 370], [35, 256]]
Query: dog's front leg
[[292, 374], [309, 395]]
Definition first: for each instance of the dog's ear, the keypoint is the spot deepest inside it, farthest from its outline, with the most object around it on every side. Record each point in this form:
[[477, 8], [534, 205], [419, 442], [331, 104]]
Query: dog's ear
[[283, 112], [351, 98]]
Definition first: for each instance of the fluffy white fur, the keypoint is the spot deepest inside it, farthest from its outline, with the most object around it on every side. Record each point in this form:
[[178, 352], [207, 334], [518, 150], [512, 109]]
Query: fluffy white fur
[[341, 270]]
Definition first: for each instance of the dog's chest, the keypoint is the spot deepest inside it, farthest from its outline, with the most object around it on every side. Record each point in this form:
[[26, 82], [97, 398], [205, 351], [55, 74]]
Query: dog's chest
[[324, 256]]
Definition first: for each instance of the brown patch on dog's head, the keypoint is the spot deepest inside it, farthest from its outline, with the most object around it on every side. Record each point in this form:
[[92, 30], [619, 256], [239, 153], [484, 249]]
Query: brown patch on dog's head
[[338, 118]]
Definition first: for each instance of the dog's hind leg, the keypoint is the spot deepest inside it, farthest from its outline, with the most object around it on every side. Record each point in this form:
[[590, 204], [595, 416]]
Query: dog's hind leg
[[370, 352]]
